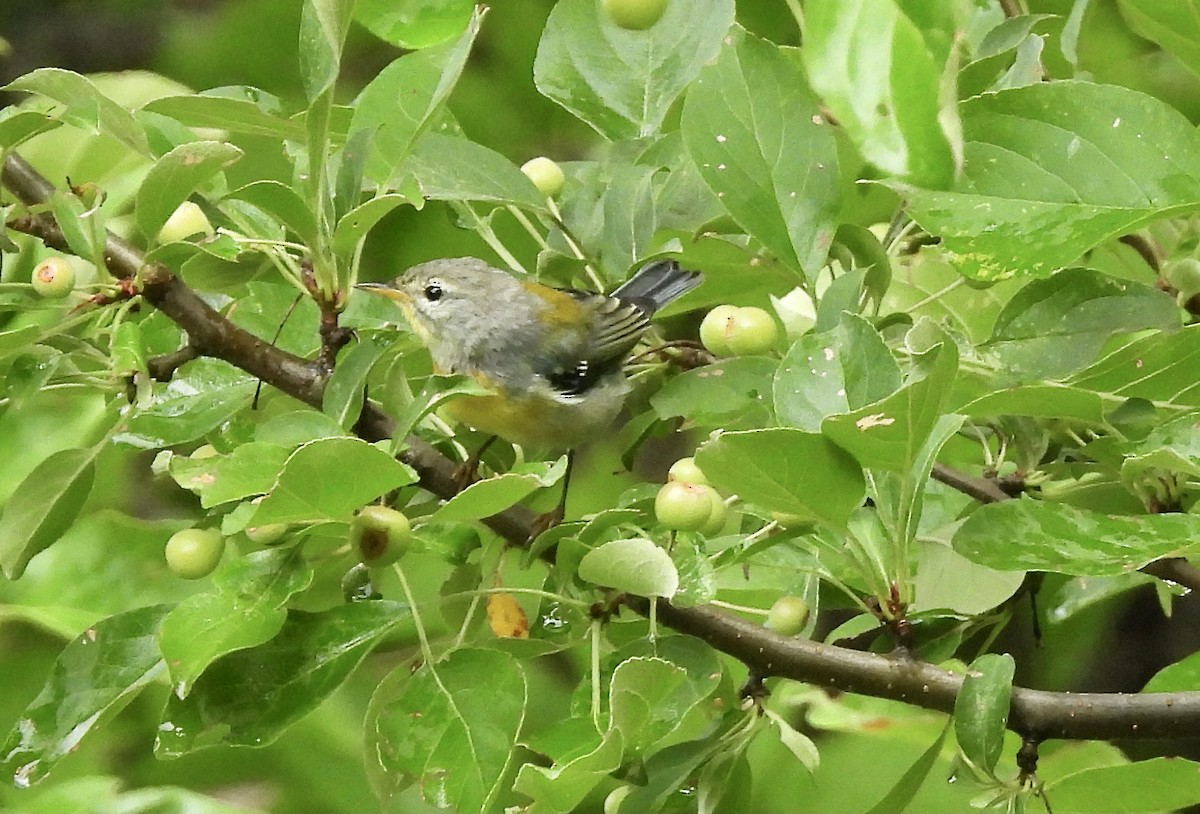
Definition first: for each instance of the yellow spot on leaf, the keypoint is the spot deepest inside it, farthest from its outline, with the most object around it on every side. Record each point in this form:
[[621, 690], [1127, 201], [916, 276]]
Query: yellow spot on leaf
[[506, 617], [875, 420]]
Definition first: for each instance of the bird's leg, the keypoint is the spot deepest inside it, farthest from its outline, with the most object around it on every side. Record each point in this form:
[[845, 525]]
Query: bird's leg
[[555, 516], [467, 472]]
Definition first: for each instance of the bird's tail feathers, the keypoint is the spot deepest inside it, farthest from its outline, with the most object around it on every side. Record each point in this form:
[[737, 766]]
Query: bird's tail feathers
[[658, 283]]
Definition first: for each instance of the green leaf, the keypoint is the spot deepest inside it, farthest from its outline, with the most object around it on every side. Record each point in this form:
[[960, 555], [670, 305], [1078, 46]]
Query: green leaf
[[623, 82], [725, 782], [981, 709], [355, 224], [402, 100], [282, 203], [249, 697], [668, 772], [906, 788], [1175, 26], [84, 105], [787, 471], [79, 226], [346, 389], [1049, 400], [911, 502], [1031, 199], [1173, 445], [466, 713], [1054, 327], [946, 580], [633, 566], [196, 401], [1159, 367], [871, 66], [16, 126], [412, 24], [562, 787], [493, 495], [757, 137], [248, 607], [44, 506], [697, 578], [731, 394], [92, 679], [328, 479], [449, 168], [239, 110], [888, 434], [1182, 676], [101, 550], [649, 698], [175, 176], [1033, 535], [799, 744], [323, 26], [1158, 784], [250, 469], [834, 372]]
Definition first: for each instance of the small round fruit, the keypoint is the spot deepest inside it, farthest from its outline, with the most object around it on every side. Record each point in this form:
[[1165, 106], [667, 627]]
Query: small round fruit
[[546, 175], [380, 534], [683, 506], [266, 535], [752, 331], [788, 615], [194, 553], [635, 15], [188, 219], [53, 278], [714, 329], [718, 513], [685, 470]]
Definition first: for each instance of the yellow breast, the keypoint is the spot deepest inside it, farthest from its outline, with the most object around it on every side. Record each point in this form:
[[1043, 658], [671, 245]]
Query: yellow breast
[[539, 422]]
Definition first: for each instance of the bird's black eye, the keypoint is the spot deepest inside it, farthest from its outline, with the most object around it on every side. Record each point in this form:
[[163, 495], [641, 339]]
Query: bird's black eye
[[433, 292]]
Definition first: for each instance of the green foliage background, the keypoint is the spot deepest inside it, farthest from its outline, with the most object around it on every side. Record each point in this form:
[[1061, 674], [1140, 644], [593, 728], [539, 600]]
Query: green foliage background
[[1029, 339]]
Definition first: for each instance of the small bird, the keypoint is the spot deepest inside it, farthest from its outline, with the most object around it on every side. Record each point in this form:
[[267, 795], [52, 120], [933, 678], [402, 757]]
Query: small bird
[[550, 358]]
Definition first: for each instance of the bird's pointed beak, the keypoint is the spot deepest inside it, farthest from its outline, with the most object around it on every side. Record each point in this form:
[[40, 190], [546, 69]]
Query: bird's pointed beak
[[382, 289]]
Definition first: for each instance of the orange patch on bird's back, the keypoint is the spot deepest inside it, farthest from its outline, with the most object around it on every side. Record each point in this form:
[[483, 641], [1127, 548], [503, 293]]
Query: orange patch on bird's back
[[561, 308]]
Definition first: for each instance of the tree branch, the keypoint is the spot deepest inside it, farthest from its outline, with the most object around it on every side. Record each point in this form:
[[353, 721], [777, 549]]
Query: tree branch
[[1034, 713]]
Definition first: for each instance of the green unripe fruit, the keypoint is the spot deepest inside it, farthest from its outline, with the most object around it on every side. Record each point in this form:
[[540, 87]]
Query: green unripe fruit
[[188, 219], [683, 506], [635, 15], [545, 174], [1184, 276], [685, 470], [380, 534], [53, 278], [788, 615], [194, 553], [714, 329], [718, 513], [266, 535], [752, 331]]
